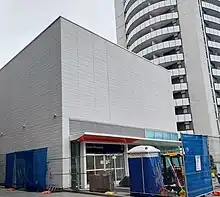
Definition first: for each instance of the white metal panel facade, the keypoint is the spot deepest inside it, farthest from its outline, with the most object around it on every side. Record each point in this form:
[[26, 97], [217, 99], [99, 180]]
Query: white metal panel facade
[[103, 82], [75, 74]]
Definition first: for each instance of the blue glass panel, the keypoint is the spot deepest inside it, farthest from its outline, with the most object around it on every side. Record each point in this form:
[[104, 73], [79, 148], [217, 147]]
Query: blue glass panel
[[150, 134], [165, 135], [158, 135]]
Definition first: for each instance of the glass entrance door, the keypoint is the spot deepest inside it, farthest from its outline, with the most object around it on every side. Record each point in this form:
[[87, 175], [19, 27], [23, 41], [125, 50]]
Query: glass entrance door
[[105, 163]]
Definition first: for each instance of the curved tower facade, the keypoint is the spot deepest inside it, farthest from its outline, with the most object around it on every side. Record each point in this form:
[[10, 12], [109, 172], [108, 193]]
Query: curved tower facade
[[183, 36]]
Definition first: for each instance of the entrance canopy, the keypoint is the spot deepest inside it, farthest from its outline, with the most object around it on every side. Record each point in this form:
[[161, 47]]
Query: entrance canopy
[[120, 139]]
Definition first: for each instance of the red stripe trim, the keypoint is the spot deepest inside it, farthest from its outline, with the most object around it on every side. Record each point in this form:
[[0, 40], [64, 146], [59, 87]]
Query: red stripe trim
[[96, 138]]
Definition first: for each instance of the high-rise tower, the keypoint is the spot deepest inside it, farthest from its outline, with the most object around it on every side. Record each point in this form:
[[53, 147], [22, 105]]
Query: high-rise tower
[[184, 37]]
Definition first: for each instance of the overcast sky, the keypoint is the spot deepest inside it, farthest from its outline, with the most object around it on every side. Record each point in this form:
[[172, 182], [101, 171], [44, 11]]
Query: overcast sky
[[23, 20]]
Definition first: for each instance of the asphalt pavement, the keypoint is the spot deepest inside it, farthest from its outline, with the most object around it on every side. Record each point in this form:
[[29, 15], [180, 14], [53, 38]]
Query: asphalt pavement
[[5, 193]]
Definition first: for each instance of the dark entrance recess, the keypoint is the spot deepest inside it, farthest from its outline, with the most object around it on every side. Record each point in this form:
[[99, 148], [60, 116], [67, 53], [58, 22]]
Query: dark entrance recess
[[75, 165]]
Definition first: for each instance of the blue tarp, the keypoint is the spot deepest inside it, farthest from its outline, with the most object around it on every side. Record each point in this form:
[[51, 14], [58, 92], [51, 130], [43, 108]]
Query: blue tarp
[[9, 169], [197, 165], [40, 167], [27, 169]]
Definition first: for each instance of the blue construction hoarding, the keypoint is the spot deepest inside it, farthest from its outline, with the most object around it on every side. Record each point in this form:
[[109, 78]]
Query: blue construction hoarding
[[27, 169], [197, 165]]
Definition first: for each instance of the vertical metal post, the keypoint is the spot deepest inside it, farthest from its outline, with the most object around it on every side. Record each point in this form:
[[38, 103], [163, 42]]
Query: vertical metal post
[[126, 166], [83, 165]]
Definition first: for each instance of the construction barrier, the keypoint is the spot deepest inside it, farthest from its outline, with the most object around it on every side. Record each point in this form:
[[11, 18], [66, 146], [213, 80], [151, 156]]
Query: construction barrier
[[197, 165], [37, 170], [26, 169]]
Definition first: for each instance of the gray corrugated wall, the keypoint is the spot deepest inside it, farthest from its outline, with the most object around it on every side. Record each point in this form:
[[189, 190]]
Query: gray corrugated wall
[[30, 87]]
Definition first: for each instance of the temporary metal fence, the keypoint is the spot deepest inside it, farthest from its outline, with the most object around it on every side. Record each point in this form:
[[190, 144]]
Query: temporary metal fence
[[113, 165], [201, 159]]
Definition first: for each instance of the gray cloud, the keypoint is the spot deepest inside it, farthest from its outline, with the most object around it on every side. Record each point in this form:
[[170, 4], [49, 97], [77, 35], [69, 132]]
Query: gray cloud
[[23, 20]]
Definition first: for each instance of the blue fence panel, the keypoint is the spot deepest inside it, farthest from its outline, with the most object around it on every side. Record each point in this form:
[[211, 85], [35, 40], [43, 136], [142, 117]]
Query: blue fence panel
[[20, 170], [29, 169], [24, 169], [197, 165], [40, 168], [10, 158]]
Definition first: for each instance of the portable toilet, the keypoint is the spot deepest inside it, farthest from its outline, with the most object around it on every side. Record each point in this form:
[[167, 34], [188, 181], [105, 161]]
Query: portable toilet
[[145, 171]]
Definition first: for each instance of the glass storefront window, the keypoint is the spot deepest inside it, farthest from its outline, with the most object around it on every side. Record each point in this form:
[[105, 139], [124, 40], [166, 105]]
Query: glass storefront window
[[111, 164], [90, 162], [99, 162], [166, 136], [120, 174], [119, 160], [174, 136], [161, 135]]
